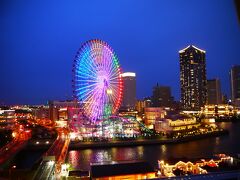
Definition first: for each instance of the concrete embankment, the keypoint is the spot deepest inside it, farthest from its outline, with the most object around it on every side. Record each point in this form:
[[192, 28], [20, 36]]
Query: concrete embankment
[[138, 142]]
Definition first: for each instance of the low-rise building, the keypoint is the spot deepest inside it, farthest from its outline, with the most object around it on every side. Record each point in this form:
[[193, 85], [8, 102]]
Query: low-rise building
[[7, 119], [122, 170], [141, 104], [167, 125], [220, 110], [58, 109], [152, 114]]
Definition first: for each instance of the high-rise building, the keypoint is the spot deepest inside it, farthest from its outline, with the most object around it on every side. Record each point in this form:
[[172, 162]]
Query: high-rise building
[[161, 96], [129, 92], [235, 85], [193, 78], [214, 95]]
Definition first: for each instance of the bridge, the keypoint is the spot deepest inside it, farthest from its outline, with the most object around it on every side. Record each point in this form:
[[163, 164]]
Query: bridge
[[54, 158], [18, 143]]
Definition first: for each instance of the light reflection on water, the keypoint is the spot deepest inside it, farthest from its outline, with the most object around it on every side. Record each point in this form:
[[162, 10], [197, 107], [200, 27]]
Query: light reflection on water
[[81, 158], [203, 148]]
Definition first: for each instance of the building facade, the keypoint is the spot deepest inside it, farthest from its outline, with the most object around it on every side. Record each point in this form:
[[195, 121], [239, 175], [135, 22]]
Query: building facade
[[220, 110], [152, 114], [7, 119], [235, 85], [161, 96], [169, 125], [129, 92], [214, 95], [58, 109], [193, 78], [141, 104]]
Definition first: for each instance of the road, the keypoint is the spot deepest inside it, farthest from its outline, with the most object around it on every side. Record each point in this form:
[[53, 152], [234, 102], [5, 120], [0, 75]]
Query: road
[[46, 170], [10, 149], [52, 168]]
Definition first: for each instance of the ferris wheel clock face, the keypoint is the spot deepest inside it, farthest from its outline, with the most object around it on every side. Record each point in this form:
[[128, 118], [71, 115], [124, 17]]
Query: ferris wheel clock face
[[97, 81]]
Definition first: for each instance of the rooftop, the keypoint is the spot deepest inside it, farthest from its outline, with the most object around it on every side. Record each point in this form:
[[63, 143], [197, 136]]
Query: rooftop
[[112, 168], [191, 46]]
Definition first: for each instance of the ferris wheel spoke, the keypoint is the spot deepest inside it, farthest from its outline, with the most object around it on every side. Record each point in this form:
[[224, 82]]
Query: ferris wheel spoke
[[107, 59], [95, 102], [87, 92], [84, 78], [86, 81], [89, 64], [92, 97], [113, 72], [86, 87], [88, 69], [84, 95], [114, 78], [92, 65]]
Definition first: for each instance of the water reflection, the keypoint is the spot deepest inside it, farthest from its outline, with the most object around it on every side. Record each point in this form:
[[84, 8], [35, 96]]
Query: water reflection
[[217, 141], [81, 159], [163, 149], [140, 150], [73, 158], [102, 156]]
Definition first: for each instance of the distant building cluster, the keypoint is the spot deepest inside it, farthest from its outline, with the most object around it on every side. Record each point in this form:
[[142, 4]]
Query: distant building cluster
[[199, 95]]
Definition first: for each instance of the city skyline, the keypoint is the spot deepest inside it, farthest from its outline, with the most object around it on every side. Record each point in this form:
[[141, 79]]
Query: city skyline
[[129, 89], [42, 59]]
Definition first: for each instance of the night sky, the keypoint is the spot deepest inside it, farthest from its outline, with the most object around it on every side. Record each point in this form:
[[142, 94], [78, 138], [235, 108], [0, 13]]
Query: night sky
[[39, 39]]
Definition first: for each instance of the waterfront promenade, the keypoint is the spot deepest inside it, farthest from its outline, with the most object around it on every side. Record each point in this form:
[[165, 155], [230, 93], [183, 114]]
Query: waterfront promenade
[[137, 142], [133, 142]]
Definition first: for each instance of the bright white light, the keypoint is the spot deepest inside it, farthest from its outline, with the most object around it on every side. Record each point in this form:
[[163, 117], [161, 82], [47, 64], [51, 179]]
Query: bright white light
[[73, 135], [47, 142], [51, 163], [109, 91], [64, 167], [128, 74], [212, 120], [37, 142]]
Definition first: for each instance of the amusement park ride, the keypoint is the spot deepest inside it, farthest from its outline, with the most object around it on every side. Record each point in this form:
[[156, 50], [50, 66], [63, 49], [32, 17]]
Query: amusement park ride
[[98, 86]]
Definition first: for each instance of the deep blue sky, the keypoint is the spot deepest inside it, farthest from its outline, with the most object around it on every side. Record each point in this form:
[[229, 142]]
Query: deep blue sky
[[39, 39]]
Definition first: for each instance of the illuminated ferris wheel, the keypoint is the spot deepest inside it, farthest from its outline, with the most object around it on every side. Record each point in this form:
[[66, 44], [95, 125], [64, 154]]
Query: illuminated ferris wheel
[[97, 81]]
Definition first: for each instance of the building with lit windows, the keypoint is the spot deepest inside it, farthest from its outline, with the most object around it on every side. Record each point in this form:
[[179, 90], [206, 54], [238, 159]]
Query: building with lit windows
[[235, 85], [152, 114], [166, 125], [220, 110], [129, 92], [214, 95], [58, 109], [141, 104], [40, 112], [7, 118], [193, 78]]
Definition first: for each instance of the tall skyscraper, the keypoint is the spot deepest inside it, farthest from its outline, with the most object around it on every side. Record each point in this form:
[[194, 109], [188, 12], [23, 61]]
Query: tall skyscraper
[[214, 95], [193, 78], [129, 92], [161, 96], [235, 85]]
